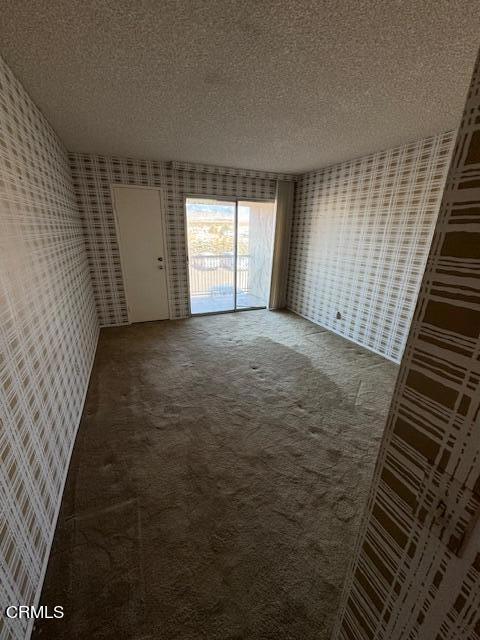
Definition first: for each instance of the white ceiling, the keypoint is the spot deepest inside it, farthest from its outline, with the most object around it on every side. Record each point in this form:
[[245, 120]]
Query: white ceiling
[[280, 85]]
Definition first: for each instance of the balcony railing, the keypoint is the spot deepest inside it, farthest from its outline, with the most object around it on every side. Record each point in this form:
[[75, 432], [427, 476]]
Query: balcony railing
[[214, 275]]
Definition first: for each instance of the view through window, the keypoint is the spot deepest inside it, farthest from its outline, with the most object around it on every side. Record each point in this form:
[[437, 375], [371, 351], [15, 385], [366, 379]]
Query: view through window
[[230, 245]]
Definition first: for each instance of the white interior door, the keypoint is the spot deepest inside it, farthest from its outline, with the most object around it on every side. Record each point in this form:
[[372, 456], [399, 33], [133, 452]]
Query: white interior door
[[142, 249]]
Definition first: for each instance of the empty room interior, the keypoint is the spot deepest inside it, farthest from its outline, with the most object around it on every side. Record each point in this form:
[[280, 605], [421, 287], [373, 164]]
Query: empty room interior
[[240, 320]]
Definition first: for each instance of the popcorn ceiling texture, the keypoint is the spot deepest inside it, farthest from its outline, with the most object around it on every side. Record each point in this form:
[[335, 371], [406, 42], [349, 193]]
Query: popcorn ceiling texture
[[48, 328], [416, 571], [288, 86], [360, 239], [48, 335]]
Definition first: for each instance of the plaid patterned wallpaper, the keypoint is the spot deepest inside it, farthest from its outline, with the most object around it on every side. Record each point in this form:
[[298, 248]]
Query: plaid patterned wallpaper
[[360, 238], [48, 334], [216, 181], [93, 176], [416, 573], [380, 212]]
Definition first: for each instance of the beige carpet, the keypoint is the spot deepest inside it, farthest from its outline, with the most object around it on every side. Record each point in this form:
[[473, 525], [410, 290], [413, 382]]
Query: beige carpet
[[217, 481]]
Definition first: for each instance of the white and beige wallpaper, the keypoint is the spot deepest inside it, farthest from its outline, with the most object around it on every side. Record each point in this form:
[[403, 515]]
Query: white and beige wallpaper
[[48, 335], [360, 240], [416, 570], [93, 176], [360, 237]]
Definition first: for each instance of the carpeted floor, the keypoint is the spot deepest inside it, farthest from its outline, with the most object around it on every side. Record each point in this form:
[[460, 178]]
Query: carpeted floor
[[217, 481]]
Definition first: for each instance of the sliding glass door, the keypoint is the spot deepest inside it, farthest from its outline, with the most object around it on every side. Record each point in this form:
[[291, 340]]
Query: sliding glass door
[[230, 246], [211, 254], [255, 232]]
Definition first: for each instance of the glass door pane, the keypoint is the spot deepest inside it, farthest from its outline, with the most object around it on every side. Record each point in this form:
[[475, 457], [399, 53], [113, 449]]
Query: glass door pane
[[211, 254], [255, 234]]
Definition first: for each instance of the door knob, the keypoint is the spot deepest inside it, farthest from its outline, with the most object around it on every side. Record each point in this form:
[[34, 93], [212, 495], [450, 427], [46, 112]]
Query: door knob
[[160, 259]]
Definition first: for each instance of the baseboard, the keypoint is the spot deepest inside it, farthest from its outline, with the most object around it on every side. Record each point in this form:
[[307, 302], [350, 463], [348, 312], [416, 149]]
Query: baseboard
[[43, 573], [337, 333], [115, 324]]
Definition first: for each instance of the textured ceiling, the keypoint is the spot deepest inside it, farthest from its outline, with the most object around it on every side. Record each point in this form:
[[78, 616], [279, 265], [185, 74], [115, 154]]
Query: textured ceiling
[[284, 85]]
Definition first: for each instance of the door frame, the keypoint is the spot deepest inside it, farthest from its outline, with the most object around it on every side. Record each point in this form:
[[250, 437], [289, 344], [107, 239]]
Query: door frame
[[161, 199], [232, 199]]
